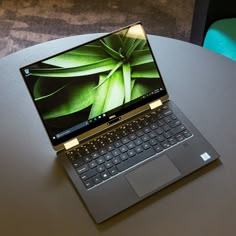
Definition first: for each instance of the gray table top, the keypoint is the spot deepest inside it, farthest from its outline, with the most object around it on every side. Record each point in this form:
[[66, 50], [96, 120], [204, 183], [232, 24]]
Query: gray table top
[[37, 197]]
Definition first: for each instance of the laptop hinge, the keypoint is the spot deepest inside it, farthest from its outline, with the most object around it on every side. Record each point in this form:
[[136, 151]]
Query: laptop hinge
[[72, 143], [155, 104]]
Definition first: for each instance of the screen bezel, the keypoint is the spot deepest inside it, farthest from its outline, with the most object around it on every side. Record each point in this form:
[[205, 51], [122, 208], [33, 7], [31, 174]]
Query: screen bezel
[[113, 113]]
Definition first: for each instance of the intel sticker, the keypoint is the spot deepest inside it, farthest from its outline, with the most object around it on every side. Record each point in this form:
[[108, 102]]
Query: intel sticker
[[205, 156]]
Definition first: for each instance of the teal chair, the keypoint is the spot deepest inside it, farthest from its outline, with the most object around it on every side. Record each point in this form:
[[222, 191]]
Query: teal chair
[[214, 26]]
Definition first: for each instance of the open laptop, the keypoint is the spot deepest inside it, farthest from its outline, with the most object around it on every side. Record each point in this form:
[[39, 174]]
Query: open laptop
[[107, 112]]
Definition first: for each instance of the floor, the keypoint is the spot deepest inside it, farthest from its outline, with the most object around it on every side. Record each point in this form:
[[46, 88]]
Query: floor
[[24, 23]]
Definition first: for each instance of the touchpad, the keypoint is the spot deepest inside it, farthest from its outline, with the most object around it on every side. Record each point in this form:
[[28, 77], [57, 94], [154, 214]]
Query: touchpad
[[152, 175]]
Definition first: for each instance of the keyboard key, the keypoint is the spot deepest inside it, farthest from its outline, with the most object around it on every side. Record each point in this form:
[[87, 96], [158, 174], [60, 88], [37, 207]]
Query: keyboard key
[[166, 127], [154, 126], [145, 122], [108, 164], [117, 136], [173, 116], [102, 151], [101, 168], [116, 153], [131, 145], [165, 144], [108, 156], [146, 130], [186, 134], [179, 137], [92, 164], [97, 179], [172, 141], [146, 146], [160, 122], [164, 107], [88, 174], [124, 156], [81, 151], [132, 136], [175, 123], [132, 161], [123, 149], [160, 138], [110, 140], [110, 147], [70, 153], [153, 142], [178, 129], [138, 141], [145, 138], [95, 155], [116, 160], [159, 131], [138, 125], [125, 140], [152, 135], [167, 112], [139, 133], [89, 183], [158, 148], [167, 134], [167, 119], [100, 160], [117, 144], [87, 158], [113, 171], [159, 117], [105, 175], [138, 149], [78, 162], [82, 169], [131, 153]]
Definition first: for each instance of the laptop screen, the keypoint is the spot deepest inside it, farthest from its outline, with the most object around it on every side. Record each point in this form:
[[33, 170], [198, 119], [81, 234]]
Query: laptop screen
[[83, 87]]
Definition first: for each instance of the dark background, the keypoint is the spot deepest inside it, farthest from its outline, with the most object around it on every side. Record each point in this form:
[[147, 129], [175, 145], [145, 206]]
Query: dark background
[[24, 23]]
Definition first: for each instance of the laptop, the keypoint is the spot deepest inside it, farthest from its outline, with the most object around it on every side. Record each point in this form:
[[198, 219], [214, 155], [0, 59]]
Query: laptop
[[108, 115]]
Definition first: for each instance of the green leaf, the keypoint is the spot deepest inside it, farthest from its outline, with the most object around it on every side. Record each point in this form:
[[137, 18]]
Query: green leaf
[[70, 60], [84, 55], [95, 68], [128, 42], [74, 97], [140, 57], [44, 87], [127, 81], [100, 97], [37, 97], [145, 74], [142, 45], [118, 65], [114, 41], [111, 51], [133, 47], [148, 70], [115, 94], [90, 49], [142, 87]]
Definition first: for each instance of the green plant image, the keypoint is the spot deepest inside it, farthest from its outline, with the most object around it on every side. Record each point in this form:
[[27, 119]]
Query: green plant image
[[96, 77]]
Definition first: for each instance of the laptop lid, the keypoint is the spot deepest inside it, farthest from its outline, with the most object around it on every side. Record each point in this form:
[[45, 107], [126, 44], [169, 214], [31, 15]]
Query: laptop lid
[[85, 89]]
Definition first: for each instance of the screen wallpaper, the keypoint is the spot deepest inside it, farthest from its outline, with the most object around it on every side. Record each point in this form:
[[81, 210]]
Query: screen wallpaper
[[83, 84]]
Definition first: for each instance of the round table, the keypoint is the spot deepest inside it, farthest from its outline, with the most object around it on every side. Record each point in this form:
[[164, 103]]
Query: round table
[[37, 197]]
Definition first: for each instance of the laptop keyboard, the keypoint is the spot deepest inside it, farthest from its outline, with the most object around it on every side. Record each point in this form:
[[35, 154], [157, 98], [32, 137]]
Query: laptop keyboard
[[129, 144]]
